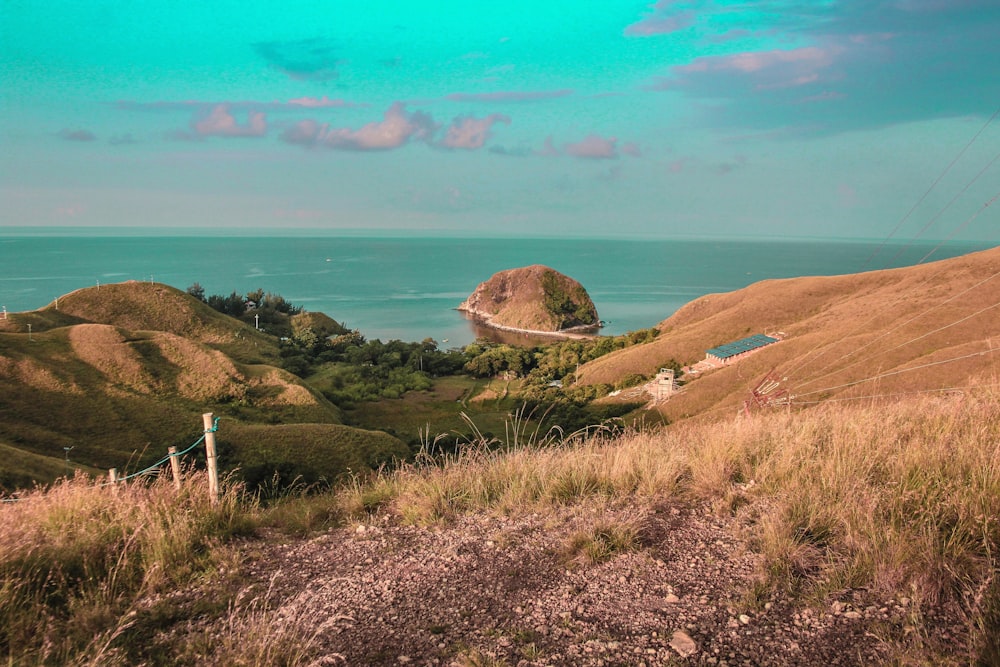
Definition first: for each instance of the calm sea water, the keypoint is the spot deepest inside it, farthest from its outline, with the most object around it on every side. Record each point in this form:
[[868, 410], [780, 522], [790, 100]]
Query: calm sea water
[[407, 288]]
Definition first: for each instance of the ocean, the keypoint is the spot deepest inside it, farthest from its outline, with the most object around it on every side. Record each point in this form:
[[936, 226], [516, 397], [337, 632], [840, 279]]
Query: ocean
[[408, 288]]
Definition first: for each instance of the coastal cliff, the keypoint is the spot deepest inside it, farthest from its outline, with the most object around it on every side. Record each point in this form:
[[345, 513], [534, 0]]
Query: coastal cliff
[[533, 298]]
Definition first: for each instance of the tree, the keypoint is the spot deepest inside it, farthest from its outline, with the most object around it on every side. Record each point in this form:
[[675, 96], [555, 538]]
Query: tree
[[197, 291], [257, 296]]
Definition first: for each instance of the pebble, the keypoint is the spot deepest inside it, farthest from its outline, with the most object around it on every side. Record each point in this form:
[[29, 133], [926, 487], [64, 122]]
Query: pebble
[[683, 644]]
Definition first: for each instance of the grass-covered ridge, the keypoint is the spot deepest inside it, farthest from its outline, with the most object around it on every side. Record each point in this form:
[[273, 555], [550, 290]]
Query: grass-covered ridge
[[112, 376]]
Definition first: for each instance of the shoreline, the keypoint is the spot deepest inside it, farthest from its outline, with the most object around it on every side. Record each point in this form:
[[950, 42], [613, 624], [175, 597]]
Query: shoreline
[[573, 333]]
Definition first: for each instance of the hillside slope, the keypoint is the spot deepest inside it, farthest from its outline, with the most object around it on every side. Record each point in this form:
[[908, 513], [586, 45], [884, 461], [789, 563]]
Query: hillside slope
[[840, 333], [116, 375]]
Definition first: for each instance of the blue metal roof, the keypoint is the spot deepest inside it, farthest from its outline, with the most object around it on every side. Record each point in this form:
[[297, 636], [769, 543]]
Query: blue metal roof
[[740, 346]]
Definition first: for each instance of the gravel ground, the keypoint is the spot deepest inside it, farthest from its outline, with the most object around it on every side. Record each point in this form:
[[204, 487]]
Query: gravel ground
[[494, 590]]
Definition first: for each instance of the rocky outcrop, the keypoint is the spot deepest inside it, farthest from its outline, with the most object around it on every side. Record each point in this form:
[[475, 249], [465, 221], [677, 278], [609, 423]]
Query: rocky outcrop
[[533, 298]]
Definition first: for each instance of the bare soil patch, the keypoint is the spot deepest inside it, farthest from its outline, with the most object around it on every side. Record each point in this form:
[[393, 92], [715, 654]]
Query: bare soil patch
[[486, 589]]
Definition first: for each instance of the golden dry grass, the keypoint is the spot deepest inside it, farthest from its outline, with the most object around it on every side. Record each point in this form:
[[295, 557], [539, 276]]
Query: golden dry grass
[[76, 557], [104, 347], [900, 498], [204, 374], [29, 372], [841, 329], [142, 306]]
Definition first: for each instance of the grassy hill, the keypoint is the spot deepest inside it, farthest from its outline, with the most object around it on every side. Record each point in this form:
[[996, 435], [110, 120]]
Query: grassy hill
[[121, 372], [841, 331]]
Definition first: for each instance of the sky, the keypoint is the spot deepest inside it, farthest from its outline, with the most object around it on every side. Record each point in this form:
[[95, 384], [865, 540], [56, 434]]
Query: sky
[[777, 118]]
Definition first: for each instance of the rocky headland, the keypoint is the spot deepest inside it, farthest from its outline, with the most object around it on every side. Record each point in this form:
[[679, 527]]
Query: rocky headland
[[533, 299]]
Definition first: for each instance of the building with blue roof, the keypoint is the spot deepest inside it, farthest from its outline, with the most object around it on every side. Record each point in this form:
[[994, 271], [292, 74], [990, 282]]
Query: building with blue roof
[[730, 352]]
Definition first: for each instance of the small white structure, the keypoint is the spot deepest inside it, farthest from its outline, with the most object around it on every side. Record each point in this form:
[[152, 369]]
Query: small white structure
[[664, 385]]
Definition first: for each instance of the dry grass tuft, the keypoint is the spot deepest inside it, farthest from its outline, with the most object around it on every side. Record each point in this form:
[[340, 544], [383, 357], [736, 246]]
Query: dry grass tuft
[[257, 632], [74, 558], [603, 540]]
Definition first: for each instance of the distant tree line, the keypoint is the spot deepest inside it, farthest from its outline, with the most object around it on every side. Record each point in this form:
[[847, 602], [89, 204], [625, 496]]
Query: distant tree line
[[266, 305]]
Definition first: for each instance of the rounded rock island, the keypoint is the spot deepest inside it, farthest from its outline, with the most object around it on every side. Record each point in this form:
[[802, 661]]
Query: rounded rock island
[[533, 299]]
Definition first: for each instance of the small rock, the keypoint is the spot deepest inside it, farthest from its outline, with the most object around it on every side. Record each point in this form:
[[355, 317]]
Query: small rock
[[744, 619], [683, 644], [403, 659], [360, 530], [853, 615], [671, 599]]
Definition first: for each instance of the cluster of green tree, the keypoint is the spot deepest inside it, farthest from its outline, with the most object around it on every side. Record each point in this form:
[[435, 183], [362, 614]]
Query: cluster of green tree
[[270, 309], [543, 365], [570, 307], [355, 369]]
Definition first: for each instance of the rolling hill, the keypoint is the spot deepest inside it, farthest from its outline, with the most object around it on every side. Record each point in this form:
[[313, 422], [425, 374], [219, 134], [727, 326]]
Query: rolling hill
[[926, 327], [112, 376]]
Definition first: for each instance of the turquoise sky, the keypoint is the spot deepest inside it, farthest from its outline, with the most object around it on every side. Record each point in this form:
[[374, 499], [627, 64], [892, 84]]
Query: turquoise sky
[[841, 118]]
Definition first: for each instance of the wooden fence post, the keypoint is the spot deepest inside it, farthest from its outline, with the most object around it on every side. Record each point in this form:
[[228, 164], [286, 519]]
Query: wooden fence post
[[113, 476], [175, 467], [213, 462]]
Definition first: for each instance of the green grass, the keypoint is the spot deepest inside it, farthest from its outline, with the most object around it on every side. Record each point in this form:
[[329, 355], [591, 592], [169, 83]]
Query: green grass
[[127, 415], [896, 499], [20, 469], [439, 411], [603, 540], [307, 453]]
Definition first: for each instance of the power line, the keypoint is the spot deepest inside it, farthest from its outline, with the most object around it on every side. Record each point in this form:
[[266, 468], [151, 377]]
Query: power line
[[946, 207], [929, 189], [898, 326], [961, 226], [897, 394], [900, 371]]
